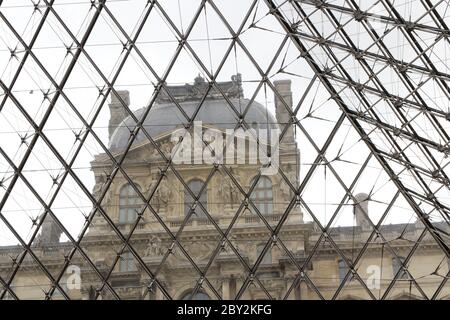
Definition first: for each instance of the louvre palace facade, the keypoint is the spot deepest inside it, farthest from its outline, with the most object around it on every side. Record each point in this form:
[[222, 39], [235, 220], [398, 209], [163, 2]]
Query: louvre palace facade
[[207, 230]]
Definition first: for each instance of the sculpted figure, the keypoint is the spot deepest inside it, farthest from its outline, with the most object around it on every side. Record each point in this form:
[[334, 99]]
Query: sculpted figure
[[164, 190], [225, 190], [166, 148], [154, 247], [162, 194]]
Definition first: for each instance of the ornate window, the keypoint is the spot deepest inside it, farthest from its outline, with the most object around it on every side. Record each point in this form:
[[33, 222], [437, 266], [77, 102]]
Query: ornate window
[[343, 270], [129, 204], [195, 185], [197, 296], [262, 195], [127, 262]]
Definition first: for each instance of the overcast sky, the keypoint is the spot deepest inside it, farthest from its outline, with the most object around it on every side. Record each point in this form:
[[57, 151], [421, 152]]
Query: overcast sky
[[209, 39]]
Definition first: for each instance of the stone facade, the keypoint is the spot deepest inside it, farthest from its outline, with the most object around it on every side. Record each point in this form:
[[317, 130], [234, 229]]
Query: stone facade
[[155, 228]]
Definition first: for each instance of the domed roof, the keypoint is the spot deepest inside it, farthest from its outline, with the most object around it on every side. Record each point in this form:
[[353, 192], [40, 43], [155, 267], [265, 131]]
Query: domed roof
[[165, 117]]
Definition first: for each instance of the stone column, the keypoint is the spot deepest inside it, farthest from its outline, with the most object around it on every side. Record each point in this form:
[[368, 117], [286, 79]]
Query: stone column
[[226, 289]]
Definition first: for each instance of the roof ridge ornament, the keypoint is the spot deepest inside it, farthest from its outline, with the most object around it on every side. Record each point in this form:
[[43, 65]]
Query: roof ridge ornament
[[196, 91]]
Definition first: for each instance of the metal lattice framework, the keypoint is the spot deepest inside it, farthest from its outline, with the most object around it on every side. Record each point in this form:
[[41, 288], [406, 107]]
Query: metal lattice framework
[[371, 110]]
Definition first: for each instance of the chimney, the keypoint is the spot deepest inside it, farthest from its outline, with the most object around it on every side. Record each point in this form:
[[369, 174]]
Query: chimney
[[283, 88], [361, 210], [50, 232], [117, 110]]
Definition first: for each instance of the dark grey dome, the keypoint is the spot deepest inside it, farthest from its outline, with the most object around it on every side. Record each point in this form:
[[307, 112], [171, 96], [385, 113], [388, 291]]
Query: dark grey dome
[[165, 117]]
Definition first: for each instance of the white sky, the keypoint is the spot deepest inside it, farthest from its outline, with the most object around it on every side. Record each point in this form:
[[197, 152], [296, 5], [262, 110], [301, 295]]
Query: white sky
[[209, 39]]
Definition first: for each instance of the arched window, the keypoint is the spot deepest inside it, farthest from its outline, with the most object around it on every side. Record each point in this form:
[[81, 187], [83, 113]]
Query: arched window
[[195, 185], [262, 195], [129, 204], [198, 296]]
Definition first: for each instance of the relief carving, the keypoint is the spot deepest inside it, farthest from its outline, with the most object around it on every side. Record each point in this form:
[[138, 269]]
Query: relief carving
[[228, 190], [154, 248], [163, 194]]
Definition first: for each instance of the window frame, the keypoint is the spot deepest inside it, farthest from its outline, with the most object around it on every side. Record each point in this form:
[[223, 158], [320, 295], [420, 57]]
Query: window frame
[[127, 262], [203, 199], [264, 203], [343, 269], [128, 211]]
